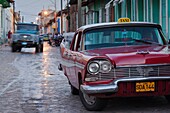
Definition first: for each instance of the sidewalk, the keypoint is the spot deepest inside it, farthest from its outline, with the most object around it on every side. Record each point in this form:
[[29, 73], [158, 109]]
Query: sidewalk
[[4, 45]]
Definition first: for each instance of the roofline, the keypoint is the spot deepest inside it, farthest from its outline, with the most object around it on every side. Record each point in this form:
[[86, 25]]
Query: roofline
[[114, 24]]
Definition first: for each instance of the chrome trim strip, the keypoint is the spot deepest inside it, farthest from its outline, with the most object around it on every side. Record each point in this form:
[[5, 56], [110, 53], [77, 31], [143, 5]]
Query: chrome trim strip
[[140, 79], [79, 65], [129, 66], [70, 63], [113, 87], [98, 89]]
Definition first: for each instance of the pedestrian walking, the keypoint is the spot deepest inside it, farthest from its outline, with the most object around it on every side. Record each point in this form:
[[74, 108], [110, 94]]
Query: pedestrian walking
[[9, 36]]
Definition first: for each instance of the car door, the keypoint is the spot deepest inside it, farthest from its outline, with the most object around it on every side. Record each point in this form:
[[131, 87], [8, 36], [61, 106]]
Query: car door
[[73, 54], [65, 51]]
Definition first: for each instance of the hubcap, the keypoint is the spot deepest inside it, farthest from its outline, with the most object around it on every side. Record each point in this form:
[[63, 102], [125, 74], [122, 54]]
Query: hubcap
[[89, 99]]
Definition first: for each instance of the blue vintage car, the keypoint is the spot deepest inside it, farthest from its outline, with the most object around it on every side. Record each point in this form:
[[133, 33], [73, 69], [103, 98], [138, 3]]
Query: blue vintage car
[[26, 35]]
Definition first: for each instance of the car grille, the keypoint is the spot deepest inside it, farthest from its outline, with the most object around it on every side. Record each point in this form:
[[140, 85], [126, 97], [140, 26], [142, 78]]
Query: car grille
[[25, 39], [135, 71]]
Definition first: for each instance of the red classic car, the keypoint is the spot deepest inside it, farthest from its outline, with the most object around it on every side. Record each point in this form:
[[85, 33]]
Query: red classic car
[[117, 59]]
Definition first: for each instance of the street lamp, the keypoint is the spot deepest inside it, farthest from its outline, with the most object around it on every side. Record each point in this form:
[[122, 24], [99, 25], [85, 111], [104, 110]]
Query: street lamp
[[36, 18], [45, 13]]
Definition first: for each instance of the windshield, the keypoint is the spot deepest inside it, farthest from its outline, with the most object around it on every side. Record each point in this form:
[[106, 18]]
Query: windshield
[[121, 36], [27, 27]]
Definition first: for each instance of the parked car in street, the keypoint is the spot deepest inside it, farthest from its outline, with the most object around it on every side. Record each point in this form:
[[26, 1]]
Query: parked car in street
[[117, 59], [26, 35], [56, 39], [45, 37]]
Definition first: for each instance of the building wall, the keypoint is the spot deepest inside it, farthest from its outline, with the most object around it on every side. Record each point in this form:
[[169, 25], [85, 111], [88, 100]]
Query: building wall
[[65, 23], [1, 41], [73, 18], [168, 19], [157, 11], [6, 18], [8, 21], [58, 24]]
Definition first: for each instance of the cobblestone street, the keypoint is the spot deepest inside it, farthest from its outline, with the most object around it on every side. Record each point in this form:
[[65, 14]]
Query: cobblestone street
[[32, 83]]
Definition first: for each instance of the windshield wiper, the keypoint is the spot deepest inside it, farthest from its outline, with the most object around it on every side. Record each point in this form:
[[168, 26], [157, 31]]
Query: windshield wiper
[[146, 42]]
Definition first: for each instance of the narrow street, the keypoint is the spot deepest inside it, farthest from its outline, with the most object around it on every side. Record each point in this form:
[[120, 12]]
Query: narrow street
[[32, 83]]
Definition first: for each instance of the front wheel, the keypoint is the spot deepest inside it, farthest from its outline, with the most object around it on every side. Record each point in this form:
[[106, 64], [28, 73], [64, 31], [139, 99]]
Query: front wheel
[[74, 90], [41, 48], [14, 48], [37, 48], [92, 103]]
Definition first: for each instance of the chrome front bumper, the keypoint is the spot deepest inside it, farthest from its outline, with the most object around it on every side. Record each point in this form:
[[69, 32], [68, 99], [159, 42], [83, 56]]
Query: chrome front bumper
[[113, 86]]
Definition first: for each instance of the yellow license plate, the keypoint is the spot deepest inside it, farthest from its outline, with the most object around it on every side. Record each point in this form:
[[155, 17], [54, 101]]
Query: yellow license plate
[[145, 86]]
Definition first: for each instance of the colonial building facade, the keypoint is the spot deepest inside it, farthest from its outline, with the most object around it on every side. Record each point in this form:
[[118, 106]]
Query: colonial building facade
[[7, 20], [98, 11], [6, 23]]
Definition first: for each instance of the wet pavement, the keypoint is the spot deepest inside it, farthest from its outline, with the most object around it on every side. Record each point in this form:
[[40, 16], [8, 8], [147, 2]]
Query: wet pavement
[[31, 83]]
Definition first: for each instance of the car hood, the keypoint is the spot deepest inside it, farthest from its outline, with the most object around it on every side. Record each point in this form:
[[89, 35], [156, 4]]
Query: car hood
[[133, 55], [26, 32]]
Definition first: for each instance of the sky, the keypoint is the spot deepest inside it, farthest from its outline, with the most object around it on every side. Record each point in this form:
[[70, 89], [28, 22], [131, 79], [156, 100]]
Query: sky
[[29, 9]]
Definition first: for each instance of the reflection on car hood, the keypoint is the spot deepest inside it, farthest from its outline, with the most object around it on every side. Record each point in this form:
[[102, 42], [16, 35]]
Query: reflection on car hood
[[134, 55]]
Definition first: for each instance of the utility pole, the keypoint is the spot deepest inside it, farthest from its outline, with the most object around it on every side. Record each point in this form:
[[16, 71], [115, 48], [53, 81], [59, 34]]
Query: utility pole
[[61, 17], [79, 13]]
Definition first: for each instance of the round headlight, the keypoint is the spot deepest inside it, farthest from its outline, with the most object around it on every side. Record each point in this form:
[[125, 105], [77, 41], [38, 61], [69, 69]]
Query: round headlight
[[105, 66], [93, 67]]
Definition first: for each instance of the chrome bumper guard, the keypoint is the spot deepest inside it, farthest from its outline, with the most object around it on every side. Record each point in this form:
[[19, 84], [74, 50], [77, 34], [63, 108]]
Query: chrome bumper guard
[[113, 87]]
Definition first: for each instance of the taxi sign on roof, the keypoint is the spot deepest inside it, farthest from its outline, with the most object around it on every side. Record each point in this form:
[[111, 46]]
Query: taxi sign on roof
[[120, 20]]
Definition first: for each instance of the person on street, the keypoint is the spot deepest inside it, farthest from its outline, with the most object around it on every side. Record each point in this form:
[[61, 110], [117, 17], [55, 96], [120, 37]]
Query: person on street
[[9, 36]]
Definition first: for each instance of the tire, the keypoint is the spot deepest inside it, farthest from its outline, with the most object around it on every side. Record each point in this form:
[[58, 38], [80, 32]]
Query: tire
[[49, 42], [57, 43], [92, 103], [168, 98], [14, 48], [19, 49], [53, 44], [41, 48], [37, 48], [74, 90]]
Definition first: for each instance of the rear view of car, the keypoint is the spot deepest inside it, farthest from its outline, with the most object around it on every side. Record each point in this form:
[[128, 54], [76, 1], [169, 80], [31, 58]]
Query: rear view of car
[[45, 37]]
